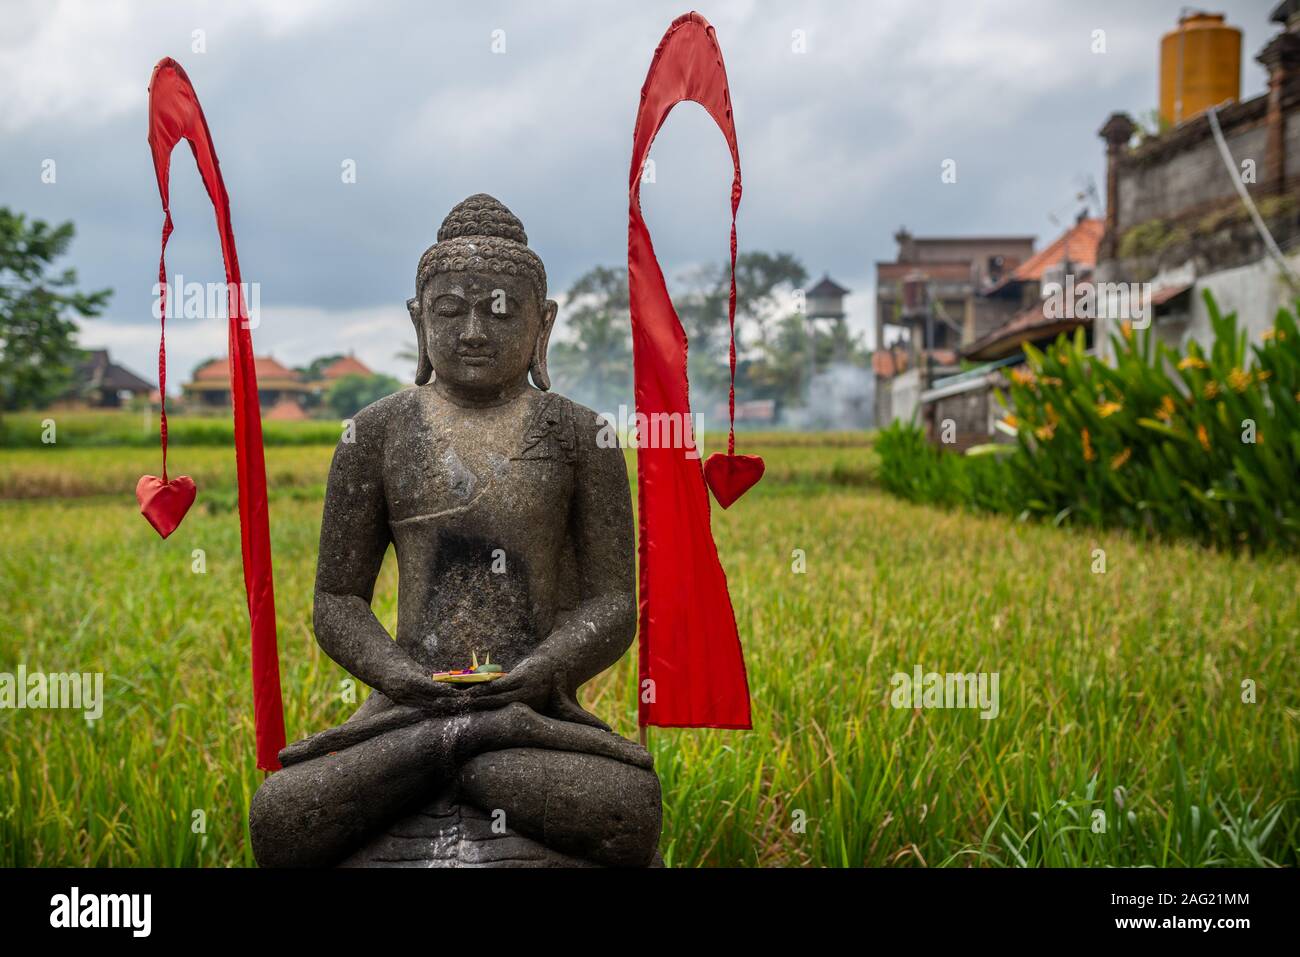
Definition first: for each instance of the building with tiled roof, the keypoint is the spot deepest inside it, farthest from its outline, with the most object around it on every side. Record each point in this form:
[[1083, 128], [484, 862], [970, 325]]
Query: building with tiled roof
[[347, 365], [1075, 249], [285, 410], [101, 382], [926, 300], [1031, 298], [1072, 254], [210, 386]]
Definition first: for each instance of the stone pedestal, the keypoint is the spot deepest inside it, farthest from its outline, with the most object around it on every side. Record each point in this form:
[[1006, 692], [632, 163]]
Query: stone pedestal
[[449, 832]]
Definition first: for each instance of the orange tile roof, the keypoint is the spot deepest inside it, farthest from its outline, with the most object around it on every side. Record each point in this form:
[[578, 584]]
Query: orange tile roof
[[348, 365], [1031, 324], [1083, 238], [944, 357], [886, 364], [286, 410], [218, 370]]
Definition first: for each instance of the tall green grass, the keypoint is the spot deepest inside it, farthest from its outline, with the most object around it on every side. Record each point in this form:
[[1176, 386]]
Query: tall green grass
[[1121, 692], [83, 429], [76, 471]]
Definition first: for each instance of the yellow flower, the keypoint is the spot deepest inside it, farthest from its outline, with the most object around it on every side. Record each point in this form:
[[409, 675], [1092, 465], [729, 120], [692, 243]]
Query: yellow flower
[[1088, 453], [1011, 421], [1167, 408], [1193, 362], [1126, 328], [1108, 409], [1211, 389], [1263, 375], [1203, 437], [1052, 418], [1045, 432], [1022, 375], [1239, 380], [1259, 437], [1268, 334], [1050, 380], [1118, 461]]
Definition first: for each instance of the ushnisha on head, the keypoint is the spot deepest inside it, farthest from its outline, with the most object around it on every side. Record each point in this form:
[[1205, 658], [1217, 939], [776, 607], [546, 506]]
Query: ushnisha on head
[[480, 309]]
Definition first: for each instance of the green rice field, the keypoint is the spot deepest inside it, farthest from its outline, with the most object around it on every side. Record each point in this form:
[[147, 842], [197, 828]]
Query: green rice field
[[1161, 692]]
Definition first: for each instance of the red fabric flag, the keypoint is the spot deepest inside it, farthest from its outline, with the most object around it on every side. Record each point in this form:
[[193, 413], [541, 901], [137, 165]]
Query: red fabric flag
[[175, 114], [689, 646]]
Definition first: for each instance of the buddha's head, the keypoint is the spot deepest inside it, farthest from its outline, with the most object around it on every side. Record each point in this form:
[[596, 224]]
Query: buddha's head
[[480, 309]]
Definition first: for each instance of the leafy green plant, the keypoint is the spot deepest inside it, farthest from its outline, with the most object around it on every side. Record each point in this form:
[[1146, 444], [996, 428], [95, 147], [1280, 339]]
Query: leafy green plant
[[1202, 444], [914, 469]]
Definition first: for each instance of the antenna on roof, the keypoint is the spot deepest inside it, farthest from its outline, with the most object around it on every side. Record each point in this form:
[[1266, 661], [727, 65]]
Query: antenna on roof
[[1094, 200]]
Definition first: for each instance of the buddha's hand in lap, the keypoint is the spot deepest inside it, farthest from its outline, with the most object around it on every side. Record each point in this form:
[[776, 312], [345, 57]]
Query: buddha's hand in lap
[[537, 682], [532, 681], [415, 689]]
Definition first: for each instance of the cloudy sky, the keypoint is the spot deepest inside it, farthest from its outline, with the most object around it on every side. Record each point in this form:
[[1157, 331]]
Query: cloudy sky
[[840, 144]]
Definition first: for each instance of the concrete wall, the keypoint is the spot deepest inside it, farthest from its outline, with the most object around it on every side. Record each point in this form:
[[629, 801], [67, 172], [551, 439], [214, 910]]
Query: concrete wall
[[905, 396], [1188, 179], [1291, 143], [1255, 292], [884, 402], [1014, 249], [970, 412], [988, 314]]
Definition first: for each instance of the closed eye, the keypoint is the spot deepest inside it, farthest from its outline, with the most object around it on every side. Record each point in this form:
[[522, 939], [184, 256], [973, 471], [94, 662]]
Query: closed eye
[[449, 306]]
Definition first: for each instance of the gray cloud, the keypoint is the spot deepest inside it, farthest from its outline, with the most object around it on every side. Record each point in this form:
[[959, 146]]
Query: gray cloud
[[839, 145]]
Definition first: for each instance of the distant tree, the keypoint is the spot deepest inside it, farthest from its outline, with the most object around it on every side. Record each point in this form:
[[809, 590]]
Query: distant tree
[[37, 347], [350, 394], [758, 277], [782, 371], [593, 362], [311, 372], [783, 366], [701, 305]]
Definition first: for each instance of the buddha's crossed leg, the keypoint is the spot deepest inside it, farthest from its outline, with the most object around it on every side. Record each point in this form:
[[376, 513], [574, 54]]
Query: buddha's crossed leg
[[577, 789]]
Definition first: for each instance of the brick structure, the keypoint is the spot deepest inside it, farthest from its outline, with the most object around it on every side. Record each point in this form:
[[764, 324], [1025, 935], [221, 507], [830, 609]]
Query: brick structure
[[1174, 218], [929, 299]]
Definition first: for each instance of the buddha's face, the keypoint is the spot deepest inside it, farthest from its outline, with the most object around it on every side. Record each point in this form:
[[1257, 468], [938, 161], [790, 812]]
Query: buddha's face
[[481, 330]]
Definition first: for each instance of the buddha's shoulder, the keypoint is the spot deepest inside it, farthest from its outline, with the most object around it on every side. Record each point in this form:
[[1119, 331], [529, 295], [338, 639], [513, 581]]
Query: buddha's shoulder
[[585, 423], [371, 428], [389, 409]]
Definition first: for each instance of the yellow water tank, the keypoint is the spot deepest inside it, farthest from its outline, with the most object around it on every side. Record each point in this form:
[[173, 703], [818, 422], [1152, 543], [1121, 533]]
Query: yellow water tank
[[1200, 66]]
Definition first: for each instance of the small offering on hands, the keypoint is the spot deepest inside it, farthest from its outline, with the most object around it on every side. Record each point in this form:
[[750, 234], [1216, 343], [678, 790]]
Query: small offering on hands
[[474, 673]]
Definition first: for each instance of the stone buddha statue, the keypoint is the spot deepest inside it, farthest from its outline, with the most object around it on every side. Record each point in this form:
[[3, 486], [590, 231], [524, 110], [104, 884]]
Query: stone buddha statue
[[512, 528]]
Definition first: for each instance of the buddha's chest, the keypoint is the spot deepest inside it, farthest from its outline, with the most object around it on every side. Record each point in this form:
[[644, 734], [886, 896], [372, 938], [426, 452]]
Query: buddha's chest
[[483, 472]]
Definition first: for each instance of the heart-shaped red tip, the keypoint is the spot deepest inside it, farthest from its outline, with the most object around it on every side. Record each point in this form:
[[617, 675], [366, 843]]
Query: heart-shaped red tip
[[164, 504], [731, 476]]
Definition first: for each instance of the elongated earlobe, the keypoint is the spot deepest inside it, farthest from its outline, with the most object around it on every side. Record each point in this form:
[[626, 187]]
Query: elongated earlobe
[[537, 368], [423, 368]]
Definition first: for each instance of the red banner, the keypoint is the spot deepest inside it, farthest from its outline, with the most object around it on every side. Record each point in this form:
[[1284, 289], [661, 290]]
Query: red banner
[[175, 114], [691, 664]]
